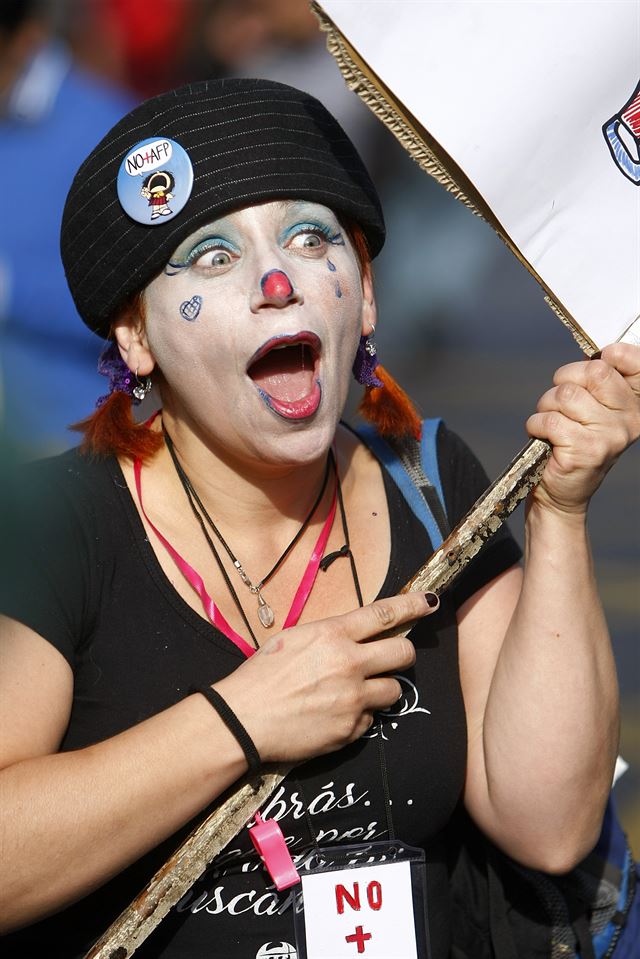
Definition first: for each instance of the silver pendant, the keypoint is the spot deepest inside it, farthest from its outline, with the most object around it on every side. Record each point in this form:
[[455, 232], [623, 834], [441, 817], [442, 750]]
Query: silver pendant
[[141, 389], [139, 392], [265, 613]]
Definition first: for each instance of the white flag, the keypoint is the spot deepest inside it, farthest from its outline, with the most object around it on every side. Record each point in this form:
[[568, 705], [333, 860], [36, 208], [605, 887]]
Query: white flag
[[538, 103]]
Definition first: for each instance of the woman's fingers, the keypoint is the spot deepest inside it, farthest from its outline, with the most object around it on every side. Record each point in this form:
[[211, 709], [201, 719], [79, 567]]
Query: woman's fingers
[[573, 401], [318, 684], [625, 358], [595, 395], [590, 415], [388, 655], [387, 615], [372, 628], [587, 373], [382, 692], [570, 414], [614, 379]]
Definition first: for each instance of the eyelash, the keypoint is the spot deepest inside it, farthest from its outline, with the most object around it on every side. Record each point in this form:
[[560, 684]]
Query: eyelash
[[318, 229], [206, 246]]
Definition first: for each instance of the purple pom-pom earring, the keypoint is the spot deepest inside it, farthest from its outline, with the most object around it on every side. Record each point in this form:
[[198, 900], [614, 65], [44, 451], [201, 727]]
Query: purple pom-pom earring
[[121, 379], [366, 361]]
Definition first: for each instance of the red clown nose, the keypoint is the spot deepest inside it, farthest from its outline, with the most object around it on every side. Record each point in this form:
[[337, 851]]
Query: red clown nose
[[276, 285]]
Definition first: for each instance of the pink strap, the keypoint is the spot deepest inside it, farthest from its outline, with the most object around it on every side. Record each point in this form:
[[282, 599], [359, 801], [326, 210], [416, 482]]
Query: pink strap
[[272, 848], [309, 578], [195, 580], [193, 577]]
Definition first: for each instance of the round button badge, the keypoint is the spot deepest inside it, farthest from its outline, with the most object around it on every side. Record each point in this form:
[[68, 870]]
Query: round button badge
[[155, 180]]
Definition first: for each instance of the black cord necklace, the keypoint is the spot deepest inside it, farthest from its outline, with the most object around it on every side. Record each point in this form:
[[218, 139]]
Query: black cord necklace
[[199, 510], [265, 612]]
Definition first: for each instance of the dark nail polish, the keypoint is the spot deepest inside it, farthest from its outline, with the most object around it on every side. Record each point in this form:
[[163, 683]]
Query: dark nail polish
[[432, 600]]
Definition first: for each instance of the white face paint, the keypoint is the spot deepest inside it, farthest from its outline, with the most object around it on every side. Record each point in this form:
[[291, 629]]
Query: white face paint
[[254, 323]]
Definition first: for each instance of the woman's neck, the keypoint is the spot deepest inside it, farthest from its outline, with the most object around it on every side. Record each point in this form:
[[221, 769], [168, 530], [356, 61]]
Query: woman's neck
[[238, 492], [259, 515]]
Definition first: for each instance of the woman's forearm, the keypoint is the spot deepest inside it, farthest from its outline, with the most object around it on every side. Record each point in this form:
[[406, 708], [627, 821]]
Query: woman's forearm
[[540, 690], [550, 728], [71, 821]]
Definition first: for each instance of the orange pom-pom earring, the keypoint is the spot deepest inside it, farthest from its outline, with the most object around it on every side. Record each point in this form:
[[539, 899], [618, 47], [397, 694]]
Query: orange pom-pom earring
[[385, 404]]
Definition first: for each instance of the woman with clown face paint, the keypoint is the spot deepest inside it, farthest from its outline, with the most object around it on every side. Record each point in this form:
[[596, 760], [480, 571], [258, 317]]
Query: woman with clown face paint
[[212, 584]]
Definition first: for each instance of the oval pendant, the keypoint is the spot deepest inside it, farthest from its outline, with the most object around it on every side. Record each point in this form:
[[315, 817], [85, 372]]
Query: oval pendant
[[265, 613]]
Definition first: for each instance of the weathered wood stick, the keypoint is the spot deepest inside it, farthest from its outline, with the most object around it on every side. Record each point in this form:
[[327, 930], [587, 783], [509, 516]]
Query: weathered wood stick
[[484, 518], [188, 863]]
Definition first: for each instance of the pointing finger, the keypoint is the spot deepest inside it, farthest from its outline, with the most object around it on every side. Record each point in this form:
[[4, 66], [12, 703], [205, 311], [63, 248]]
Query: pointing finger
[[387, 616]]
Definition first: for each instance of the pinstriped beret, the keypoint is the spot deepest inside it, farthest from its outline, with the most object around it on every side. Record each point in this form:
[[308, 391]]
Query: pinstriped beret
[[247, 141]]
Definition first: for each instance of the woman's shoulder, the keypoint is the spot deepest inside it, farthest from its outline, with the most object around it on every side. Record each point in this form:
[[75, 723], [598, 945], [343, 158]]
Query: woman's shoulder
[[62, 491], [443, 454], [72, 471]]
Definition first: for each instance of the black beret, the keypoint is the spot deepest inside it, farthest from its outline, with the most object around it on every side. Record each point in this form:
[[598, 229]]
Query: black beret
[[247, 140]]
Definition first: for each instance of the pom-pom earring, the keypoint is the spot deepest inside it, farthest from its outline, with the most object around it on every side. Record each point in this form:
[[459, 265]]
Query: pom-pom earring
[[121, 379], [385, 404], [366, 361]]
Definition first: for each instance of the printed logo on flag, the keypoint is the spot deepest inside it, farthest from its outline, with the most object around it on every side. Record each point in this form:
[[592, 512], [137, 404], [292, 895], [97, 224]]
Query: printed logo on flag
[[622, 133]]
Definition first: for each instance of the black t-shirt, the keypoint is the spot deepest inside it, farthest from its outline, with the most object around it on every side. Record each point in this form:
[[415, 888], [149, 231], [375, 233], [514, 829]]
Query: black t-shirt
[[81, 572]]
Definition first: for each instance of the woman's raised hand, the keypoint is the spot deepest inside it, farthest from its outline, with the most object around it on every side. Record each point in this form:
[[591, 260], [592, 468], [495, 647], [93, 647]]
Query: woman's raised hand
[[590, 416], [314, 688]]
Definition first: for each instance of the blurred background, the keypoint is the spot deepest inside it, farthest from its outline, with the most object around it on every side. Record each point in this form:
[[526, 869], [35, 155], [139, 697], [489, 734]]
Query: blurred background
[[462, 325]]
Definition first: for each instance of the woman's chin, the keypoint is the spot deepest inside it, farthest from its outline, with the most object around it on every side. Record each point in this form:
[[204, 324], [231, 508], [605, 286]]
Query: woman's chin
[[299, 440]]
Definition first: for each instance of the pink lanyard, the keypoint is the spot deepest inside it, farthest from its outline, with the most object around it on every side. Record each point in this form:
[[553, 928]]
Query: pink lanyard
[[195, 580]]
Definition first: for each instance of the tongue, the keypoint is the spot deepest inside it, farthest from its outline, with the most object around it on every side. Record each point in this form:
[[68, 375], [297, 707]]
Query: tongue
[[285, 374]]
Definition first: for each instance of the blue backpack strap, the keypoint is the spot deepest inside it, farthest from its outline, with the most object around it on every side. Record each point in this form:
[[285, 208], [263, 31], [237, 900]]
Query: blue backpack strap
[[621, 935], [389, 458], [429, 450]]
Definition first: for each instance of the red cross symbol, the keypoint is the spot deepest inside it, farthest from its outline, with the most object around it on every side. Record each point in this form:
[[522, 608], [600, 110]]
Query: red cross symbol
[[359, 937]]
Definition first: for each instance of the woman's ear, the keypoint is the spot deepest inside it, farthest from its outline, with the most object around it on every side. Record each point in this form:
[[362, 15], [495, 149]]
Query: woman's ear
[[369, 310], [132, 341]]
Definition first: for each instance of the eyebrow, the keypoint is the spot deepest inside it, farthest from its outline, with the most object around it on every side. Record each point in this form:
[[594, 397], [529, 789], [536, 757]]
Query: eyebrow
[[292, 206], [215, 228]]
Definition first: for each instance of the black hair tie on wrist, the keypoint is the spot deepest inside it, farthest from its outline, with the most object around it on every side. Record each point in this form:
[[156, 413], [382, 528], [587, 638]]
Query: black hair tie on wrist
[[234, 725]]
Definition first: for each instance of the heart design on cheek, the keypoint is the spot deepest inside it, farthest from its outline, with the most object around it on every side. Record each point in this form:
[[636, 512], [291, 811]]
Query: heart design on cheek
[[190, 308]]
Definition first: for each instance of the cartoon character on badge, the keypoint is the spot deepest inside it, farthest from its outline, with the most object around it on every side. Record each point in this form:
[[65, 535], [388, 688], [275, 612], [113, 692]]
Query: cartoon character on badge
[[157, 189]]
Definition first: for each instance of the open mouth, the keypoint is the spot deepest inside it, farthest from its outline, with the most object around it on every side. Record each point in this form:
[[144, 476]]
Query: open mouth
[[285, 370]]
